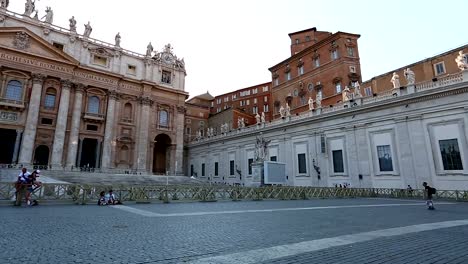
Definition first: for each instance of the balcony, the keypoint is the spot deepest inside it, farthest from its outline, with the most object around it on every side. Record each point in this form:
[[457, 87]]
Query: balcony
[[92, 117], [12, 104]]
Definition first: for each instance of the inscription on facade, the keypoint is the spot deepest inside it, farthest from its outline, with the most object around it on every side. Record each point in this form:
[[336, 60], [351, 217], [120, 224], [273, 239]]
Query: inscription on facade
[[127, 86], [8, 116]]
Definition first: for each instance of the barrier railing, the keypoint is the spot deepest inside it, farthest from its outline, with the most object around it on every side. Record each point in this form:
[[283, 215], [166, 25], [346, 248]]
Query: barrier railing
[[89, 194]]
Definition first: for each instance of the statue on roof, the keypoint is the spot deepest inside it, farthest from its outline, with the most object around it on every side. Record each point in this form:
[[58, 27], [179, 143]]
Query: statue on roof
[[168, 48], [409, 75], [318, 99], [88, 30], [149, 50], [462, 61], [282, 112], [72, 24], [311, 104], [346, 94], [258, 119], [29, 7], [263, 117], [395, 80], [357, 90], [288, 110], [49, 16], [117, 39], [4, 4]]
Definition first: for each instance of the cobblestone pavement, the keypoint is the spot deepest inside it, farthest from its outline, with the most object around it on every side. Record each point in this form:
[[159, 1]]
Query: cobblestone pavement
[[212, 232]]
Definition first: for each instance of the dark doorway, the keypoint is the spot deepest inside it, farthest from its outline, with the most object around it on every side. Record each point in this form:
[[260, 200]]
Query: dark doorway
[[41, 155], [161, 153], [89, 153], [7, 145]]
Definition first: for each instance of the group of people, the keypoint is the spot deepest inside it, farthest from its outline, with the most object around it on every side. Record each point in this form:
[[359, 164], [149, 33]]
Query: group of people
[[108, 198], [27, 182]]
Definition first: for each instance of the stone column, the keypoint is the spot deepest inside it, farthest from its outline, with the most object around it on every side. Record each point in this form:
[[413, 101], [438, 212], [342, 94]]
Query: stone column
[[80, 149], [98, 154], [179, 150], [109, 135], [61, 126], [31, 120], [142, 139], [75, 127], [19, 133]]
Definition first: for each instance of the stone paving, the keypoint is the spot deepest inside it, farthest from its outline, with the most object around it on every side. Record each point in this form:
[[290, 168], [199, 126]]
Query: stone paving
[[201, 232]]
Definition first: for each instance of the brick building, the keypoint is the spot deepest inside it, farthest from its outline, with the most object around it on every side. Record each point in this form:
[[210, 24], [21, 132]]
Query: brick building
[[320, 62]]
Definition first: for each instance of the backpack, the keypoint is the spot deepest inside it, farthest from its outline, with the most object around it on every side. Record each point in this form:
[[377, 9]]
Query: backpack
[[433, 190]]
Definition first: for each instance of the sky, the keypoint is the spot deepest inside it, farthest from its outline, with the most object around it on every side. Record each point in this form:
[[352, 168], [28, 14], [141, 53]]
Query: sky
[[229, 45]]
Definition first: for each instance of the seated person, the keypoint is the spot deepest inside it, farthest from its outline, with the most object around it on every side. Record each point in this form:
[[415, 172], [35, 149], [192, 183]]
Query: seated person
[[102, 198], [111, 199], [35, 183]]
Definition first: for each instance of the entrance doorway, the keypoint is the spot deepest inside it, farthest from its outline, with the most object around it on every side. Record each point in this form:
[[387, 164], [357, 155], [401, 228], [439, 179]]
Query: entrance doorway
[[161, 154], [89, 153], [41, 155], [7, 143]]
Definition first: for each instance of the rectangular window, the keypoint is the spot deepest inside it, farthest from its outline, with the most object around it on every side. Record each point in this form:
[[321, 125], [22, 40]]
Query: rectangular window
[[254, 91], [250, 161], [203, 169], [276, 81], [46, 121], [58, 46], [255, 100], [248, 102], [450, 154], [265, 99], [131, 69], [338, 87], [439, 68], [218, 110], [265, 108], [254, 110], [92, 127], [334, 54], [234, 96], [301, 163], [216, 169], [265, 88], [49, 101], [352, 69], [338, 160], [288, 76], [212, 104], [350, 51], [317, 62], [300, 70], [166, 77], [188, 130], [231, 167], [100, 60], [218, 101], [368, 91], [226, 99], [274, 158], [384, 154], [241, 103]]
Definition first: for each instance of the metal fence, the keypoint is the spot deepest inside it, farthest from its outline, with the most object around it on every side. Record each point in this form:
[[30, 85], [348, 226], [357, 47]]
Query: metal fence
[[89, 194]]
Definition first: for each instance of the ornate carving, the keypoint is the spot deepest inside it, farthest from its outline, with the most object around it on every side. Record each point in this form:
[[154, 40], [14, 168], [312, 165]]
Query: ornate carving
[[101, 51], [4, 4], [38, 78], [80, 88], [287, 69], [66, 84], [181, 109], [275, 75], [21, 41], [300, 63], [113, 94], [145, 100], [2, 18]]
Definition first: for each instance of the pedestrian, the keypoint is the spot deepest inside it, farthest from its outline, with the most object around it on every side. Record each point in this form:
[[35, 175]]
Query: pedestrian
[[102, 198], [429, 192]]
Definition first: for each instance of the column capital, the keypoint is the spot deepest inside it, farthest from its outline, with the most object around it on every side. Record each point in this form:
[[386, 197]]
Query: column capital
[[80, 88], [19, 131], [38, 78], [113, 94], [145, 100], [181, 109], [66, 84]]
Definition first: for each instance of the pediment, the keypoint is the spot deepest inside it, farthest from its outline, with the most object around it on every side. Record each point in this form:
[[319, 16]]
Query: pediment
[[25, 41]]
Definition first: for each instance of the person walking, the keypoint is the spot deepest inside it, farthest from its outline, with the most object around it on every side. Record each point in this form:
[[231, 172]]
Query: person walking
[[429, 192]]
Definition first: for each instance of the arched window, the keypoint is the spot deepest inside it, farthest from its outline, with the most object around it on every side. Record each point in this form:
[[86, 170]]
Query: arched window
[[127, 111], [93, 105], [14, 91], [124, 154], [49, 100], [163, 118]]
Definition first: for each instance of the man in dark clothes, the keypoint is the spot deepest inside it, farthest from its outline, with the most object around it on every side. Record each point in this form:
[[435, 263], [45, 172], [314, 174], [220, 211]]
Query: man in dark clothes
[[429, 192]]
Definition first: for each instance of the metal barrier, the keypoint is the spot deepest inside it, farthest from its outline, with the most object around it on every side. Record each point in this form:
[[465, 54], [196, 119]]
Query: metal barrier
[[89, 194]]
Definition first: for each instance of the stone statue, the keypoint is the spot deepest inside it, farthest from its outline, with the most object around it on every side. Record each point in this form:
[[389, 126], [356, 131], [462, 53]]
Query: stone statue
[[168, 48], [395, 80], [29, 7], [149, 50], [239, 123], [263, 117], [258, 118], [88, 29], [346, 94], [212, 131], [198, 135], [49, 16], [282, 112], [357, 90], [117, 39], [318, 99], [72, 24], [243, 122], [311, 104], [261, 148], [4, 4], [461, 61], [409, 75], [288, 110]]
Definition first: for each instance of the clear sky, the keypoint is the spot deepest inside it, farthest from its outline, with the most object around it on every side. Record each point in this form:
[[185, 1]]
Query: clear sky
[[229, 45]]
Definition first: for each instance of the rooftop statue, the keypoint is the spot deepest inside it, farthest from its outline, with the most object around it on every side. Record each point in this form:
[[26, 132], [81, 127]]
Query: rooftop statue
[[88, 30], [149, 50], [117, 39], [346, 94], [49, 16], [4, 4], [72, 24], [282, 112], [357, 90], [258, 119], [409, 75], [395, 80], [462, 61], [29, 7], [311, 104], [318, 99], [263, 117]]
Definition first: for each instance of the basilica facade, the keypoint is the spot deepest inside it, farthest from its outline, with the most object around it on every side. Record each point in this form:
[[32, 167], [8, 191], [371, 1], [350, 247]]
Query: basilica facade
[[69, 101]]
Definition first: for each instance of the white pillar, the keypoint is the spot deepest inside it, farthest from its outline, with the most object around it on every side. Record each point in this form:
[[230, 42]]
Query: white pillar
[[143, 134], [108, 134], [179, 150], [61, 126], [75, 127], [17, 145], [29, 137]]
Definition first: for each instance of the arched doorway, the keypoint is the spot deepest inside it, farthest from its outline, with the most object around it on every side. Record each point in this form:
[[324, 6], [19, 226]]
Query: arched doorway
[[41, 155], [7, 141], [161, 154]]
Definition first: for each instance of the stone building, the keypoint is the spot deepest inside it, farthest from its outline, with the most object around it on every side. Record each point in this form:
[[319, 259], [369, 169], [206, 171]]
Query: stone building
[[397, 137], [320, 62], [68, 100]]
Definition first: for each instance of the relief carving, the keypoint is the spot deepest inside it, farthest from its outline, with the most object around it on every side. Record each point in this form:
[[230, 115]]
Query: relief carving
[[21, 41]]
